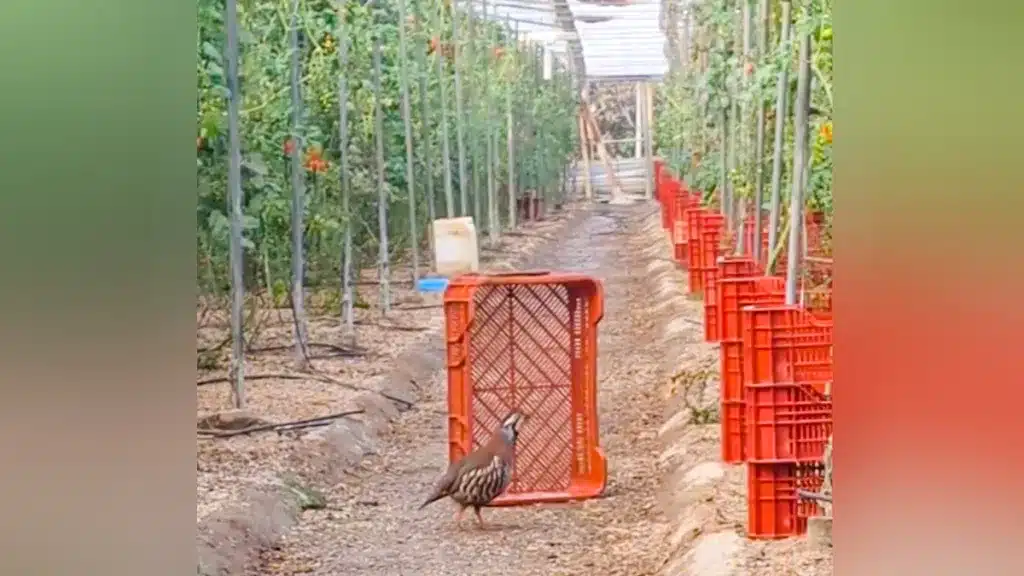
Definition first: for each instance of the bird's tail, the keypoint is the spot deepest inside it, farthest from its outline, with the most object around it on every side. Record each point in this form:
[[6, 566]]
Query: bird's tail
[[433, 498]]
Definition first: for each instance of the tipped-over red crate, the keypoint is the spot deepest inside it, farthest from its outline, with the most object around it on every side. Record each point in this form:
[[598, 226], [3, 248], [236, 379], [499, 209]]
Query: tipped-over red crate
[[773, 509], [734, 294], [710, 239], [528, 341], [694, 217]]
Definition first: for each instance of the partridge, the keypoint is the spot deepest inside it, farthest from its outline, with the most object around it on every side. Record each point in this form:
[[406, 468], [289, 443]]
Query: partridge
[[484, 474]]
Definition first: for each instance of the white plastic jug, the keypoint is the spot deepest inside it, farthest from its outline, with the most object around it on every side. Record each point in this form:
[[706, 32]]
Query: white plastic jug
[[455, 248]]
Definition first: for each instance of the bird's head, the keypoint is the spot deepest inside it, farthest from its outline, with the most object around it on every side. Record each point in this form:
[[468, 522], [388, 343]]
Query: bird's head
[[510, 426]]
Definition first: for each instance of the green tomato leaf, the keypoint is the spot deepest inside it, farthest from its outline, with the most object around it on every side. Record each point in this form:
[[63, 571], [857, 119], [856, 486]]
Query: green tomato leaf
[[212, 53]]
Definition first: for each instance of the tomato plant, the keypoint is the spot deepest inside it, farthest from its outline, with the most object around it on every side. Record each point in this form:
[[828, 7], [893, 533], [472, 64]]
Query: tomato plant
[[719, 78], [268, 142]]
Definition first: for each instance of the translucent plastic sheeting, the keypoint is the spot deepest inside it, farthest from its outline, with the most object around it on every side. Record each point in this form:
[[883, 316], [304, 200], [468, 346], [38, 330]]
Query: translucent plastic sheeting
[[618, 42]]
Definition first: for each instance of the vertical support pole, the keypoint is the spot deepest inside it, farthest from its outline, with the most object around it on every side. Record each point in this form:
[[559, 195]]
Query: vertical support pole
[[446, 152], [762, 111], [638, 121], [410, 187], [426, 147], [649, 141], [383, 260], [743, 142], [782, 97], [347, 299], [585, 155], [800, 163], [460, 118], [235, 207], [298, 195]]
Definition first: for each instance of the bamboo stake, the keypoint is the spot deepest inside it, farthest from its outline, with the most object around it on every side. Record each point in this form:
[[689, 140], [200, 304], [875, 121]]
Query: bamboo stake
[[237, 368], [383, 261], [744, 126], [410, 189], [426, 148], [493, 224], [648, 140], [457, 61], [781, 102], [800, 161], [762, 110], [347, 300], [511, 161], [446, 153], [298, 193], [472, 94]]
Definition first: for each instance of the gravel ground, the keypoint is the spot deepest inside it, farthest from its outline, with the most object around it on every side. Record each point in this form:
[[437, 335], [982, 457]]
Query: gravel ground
[[236, 477], [372, 527]]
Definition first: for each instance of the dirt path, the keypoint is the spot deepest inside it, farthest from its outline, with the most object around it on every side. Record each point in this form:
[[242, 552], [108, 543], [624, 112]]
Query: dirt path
[[372, 526]]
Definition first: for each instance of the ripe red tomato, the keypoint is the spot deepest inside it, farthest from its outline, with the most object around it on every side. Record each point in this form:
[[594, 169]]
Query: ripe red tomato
[[826, 131]]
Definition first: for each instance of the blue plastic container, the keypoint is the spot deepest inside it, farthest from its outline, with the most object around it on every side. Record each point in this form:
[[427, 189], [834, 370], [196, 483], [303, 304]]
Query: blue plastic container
[[432, 284]]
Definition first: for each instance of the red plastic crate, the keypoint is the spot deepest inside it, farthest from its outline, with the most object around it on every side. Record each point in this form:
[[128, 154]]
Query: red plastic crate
[[659, 166], [528, 341], [773, 509], [671, 187], [736, 267], [711, 328], [818, 282], [814, 226], [748, 230], [733, 294], [710, 238], [680, 204], [737, 293], [728, 267], [786, 422], [694, 218], [530, 208], [785, 344], [787, 365]]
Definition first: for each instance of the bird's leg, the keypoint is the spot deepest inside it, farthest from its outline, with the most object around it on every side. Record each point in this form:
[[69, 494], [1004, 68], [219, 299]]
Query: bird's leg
[[479, 518], [458, 516]]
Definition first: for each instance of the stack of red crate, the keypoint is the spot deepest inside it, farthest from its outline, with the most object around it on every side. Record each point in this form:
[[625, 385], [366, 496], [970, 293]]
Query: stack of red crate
[[728, 267], [694, 218], [734, 294], [681, 202], [787, 367], [710, 247]]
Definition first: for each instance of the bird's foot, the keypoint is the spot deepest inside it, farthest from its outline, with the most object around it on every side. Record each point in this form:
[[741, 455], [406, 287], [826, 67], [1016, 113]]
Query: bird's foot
[[480, 522]]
